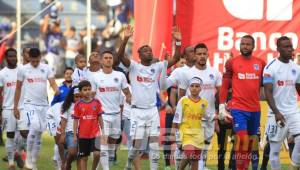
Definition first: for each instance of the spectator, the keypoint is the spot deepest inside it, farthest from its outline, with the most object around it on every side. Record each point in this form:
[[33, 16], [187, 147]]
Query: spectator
[[72, 45], [53, 40]]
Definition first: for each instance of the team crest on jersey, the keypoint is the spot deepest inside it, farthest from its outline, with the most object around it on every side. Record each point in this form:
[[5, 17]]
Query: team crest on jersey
[[293, 72], [256, 66], [94, 108], [152, 70], [116, 80], [202, 106], [211, 76], [42, 70]]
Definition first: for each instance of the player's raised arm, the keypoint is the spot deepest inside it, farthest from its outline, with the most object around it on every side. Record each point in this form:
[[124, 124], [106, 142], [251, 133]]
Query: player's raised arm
[[121, 52], [177, 37]]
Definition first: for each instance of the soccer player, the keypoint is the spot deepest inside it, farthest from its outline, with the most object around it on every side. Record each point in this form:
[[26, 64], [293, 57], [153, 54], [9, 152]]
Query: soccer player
[[188, 119], [281, 80], [109, 85], [8, 80], [244, 74], [87, 119], [144, 85], [211, 86], [34, 76]]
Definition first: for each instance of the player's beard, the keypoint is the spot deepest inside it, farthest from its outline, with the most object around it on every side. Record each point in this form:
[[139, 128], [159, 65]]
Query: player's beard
[[246, 54]]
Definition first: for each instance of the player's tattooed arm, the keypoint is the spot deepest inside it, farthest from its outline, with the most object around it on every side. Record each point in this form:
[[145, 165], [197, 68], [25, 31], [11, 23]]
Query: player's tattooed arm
[[17, 99], [128, 32], [127, 94], [268, 87]]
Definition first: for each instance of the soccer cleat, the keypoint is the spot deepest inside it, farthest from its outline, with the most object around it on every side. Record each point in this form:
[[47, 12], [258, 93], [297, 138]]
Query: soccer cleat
[[19, 160], [11, 167], [28, 165]]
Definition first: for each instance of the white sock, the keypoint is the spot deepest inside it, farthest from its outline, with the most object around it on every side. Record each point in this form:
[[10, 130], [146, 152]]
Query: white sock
[[178, 157], [296, 152], [202, 160], [274, 155], [111, 150], [154, 155], [10, 150], [36, 147], [104, 157], [30, 142]]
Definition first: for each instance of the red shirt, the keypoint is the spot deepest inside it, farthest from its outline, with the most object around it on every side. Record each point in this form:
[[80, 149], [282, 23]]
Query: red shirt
[[88, 114], [245, 77]]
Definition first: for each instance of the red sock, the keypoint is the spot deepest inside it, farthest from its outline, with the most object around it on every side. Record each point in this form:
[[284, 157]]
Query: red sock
[[242, 153]]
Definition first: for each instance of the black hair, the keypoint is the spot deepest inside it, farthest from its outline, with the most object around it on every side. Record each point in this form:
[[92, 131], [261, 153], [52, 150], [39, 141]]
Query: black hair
[[83, 84], [73, 28], [68, 100], [68, 68], [34, 52], [282, 38], [249, 37], [200, 45], [106, 51], [141, 48], [9, 50]]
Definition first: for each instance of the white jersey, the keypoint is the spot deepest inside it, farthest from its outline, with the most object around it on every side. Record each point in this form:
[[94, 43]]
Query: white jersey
[[90, 75], [211, 79], [8, 81], [68, 116], [176, 76], [108, 89], [144, 83], [284, 77], [78, 76], [35, 83]]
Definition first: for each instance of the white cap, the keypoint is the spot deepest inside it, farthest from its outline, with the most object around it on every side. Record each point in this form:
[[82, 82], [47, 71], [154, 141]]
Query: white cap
[[196, 80], [76, 91]]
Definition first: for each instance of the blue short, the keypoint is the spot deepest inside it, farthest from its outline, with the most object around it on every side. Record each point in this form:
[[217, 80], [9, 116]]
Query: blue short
[[70, 140], [243, 120]]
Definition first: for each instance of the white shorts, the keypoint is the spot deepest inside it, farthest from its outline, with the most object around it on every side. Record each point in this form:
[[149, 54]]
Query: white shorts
[[209, 129], [112, 125], [277, 134], [37, 117], [11, 124], [144, 122]]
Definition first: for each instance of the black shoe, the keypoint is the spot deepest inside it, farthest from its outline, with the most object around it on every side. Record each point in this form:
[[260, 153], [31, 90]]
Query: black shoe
[[5, 159], [19, 160]]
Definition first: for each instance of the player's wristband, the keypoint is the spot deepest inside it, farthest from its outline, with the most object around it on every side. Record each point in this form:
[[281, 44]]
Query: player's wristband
[[178, 43]]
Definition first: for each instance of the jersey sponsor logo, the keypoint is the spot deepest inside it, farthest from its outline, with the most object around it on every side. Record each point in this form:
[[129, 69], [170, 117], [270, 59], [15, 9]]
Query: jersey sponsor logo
[[144, 79], [194, 116], [207, 86], [88, 117], [285, 83], [255, 66], [108, 89], [11, 84], [247, 76], [294, 72], [36, 80], [267, 75]]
